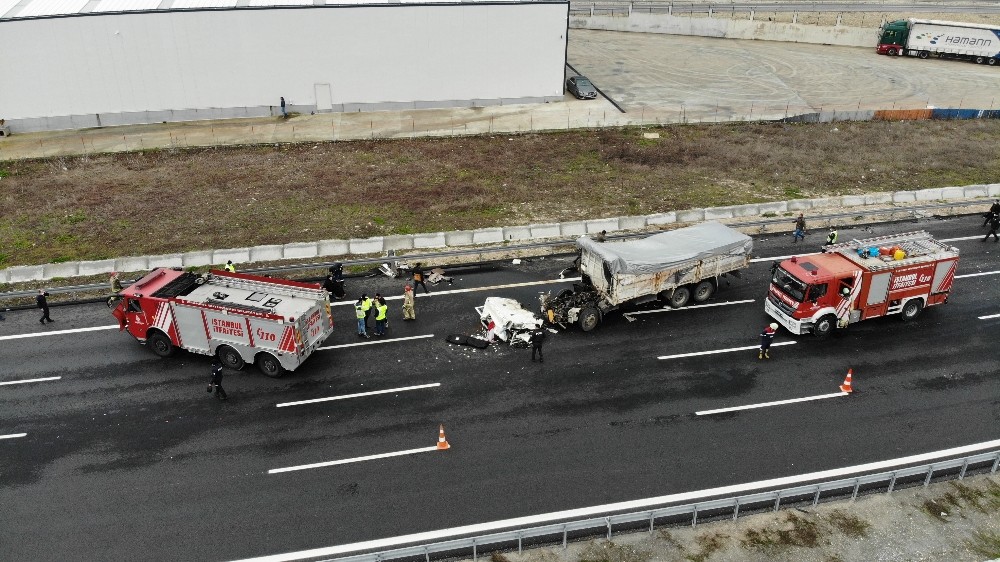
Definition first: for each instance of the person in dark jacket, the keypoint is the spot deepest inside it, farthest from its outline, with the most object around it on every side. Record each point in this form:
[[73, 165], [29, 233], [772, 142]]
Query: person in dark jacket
[[337, 271], [993, 212], [766, 337], [43, 304], [994, 226], [537, 339], [418, 278], [216, 381]]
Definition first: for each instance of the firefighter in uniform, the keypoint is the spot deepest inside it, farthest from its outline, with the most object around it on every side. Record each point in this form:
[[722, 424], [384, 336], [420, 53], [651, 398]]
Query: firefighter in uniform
[[766, 337], [361, 313], [215, 383], [409, 312], [537, 339]]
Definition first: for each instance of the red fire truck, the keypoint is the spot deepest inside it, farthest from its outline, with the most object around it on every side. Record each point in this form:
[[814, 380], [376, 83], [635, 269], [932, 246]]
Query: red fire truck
[[854, 281], [275, 323]]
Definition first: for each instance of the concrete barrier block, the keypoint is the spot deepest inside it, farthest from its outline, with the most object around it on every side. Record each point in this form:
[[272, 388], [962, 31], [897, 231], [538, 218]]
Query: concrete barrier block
[[548, 230], [359, 246], [933, 194], [53, 270], [631, 223], [397, 242], [333, 247], [852, 200], [822, 202], [878, 199], [993, 189], [458, 238], [271, 252], [132, 263], [799, 205], [775, 207], [974, 191], [429, 240], [516, 233], [597, 225], [298, 250], [661, 218], [718, 213], [904, 197], [21, 273], [953, 193], [572, 229], [197, 259], [693, 215], [86, 268], [487, 236], [165, 260], [236, 255]]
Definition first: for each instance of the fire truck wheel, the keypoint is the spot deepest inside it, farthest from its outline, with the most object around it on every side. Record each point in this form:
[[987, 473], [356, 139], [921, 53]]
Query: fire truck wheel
[[679, 297], [590, 317], [824, 326], [160, 344], [912, 309], [230, 357], [269, 365], [704, 291]]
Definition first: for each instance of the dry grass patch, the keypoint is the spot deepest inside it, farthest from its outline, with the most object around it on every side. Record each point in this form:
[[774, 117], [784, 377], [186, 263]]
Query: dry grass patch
[[610, 551]]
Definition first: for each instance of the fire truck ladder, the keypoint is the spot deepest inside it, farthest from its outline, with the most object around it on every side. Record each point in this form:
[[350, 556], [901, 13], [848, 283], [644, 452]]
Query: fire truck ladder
[[266, 286], [917, 244]]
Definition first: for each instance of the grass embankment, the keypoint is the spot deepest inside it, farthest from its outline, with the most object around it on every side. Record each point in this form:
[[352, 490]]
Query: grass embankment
[[166, 201]]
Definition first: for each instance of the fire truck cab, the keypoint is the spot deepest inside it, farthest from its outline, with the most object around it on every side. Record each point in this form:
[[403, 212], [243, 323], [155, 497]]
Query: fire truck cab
[[854, 281], [273, 323]]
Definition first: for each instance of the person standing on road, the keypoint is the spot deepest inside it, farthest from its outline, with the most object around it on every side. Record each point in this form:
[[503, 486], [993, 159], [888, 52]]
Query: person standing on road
[[43, 304], [766, 337], [362, 314], [993, 212], [215, 383], [409, 313], [366, 307], [800, 229], [994, 225], [418, 278], [537, 339], [337, 271], [230, 267], [381, 318], [831, 237], [283, 113], [328, 285]]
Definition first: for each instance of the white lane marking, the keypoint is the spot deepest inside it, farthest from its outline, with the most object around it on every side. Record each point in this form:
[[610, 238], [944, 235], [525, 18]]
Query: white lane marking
[[25, 381], [58, 332], [358, 395], [373, 342], [473, 289], [669, 308], [958, 239], [625, 506], [977, 274], [989, 317], [13, 436], [355, 459], [766, 404], [714, 351]]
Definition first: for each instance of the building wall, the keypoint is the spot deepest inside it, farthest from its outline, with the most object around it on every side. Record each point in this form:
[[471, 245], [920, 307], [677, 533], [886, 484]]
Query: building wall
[[108, 69]]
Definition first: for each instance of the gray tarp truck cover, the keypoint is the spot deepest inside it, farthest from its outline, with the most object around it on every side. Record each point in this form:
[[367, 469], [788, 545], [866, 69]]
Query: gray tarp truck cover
[[669, 249]]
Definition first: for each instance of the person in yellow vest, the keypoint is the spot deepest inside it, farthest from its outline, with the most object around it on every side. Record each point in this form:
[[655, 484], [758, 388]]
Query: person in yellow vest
[[361, 313], [409, 313], [230, 267], [381, 321], [366, 306]]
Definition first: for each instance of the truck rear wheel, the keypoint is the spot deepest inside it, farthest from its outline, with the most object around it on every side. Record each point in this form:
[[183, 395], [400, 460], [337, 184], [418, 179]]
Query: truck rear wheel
[[230, 357], [911, 309], [160, 344], [679, 297], [589, 318], [924, 54], [270, 366], [980, 60], [824, 326], [991, 62], [703, 291]]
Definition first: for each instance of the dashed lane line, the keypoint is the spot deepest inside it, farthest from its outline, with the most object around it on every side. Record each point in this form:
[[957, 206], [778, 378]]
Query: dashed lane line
[[355, 459], [359, 395], [59, 332], [26, 381], [989, 317], [13, 436], [671, 309], [473, 289], [977, 274], [767, 404], [729, 350]]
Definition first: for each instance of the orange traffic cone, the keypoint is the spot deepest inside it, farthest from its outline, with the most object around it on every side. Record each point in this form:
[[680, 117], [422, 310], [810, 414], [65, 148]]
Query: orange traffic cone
[[846, 387], [442, 442]]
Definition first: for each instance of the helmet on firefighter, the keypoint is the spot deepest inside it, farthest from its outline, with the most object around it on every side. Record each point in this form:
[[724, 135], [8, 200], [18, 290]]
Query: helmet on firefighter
[[773, 326]]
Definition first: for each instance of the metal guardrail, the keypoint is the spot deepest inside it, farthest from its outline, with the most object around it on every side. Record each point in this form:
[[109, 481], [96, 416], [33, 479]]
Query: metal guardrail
[[717, 509], [626, 7], [762, 224]]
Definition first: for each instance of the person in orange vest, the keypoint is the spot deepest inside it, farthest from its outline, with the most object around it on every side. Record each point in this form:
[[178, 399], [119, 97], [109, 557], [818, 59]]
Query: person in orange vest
[[766, 337]]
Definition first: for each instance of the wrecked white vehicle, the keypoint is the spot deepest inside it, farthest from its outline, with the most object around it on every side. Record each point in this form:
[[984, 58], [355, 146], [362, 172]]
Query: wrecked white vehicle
[[506, 320]]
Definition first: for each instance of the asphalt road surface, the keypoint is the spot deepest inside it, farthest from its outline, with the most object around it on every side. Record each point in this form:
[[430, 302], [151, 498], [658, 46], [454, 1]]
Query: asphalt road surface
[[125, 456]]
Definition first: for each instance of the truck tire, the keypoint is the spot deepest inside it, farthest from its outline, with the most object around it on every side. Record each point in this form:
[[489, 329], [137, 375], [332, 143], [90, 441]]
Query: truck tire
[[564, 293], [230, 357], [892, 52], [980, 60], [825, 326], [911, 309], [160, 344], [992, 61], [589, 318], [924, 54], [270, 366], [703, 290], [679, 297]]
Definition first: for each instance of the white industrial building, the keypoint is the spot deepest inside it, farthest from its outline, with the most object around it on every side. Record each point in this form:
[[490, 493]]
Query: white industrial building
[[87, 63]]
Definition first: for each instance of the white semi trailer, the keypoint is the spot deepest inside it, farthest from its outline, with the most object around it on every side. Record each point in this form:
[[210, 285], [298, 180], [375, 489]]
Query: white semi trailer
[[975, 42]]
